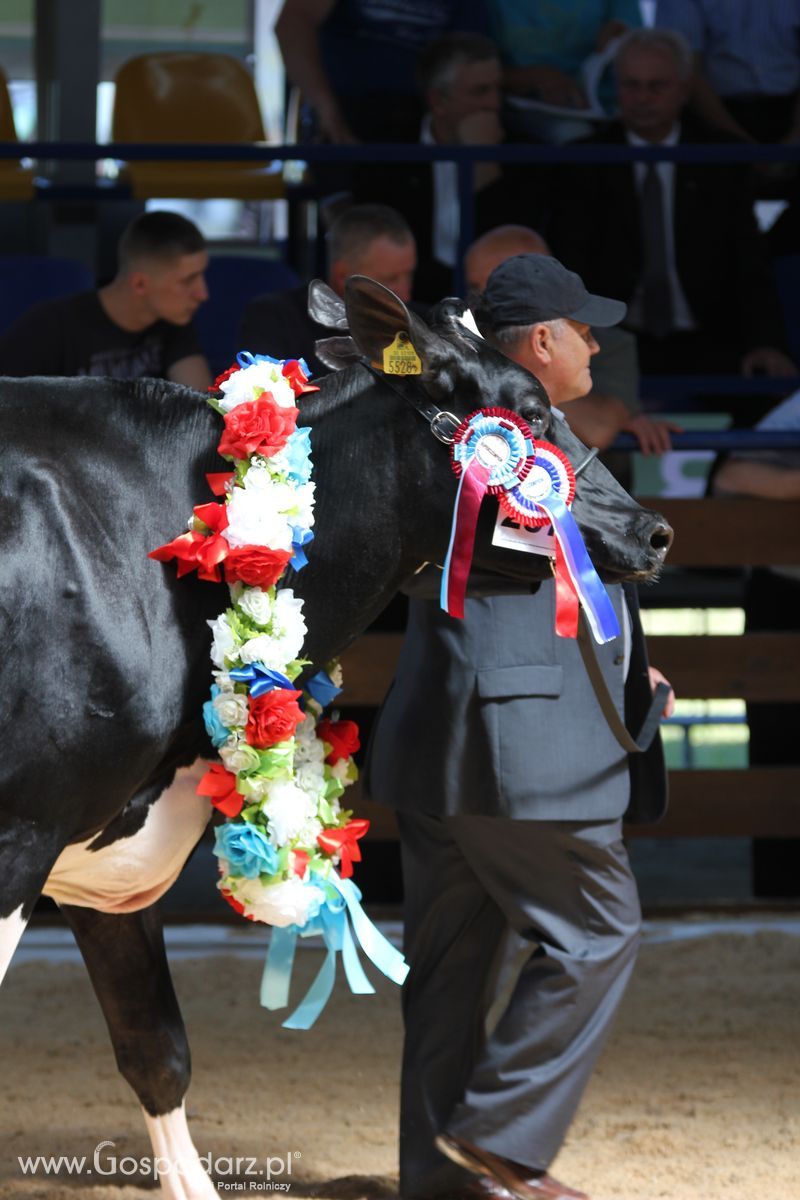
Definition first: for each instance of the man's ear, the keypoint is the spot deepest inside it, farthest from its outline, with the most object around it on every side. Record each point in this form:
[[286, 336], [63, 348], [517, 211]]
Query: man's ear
[[376, 316], [325, 307]]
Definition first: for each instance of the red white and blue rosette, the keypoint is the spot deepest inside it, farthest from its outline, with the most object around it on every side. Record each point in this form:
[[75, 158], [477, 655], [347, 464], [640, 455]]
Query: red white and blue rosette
[[492, 450], [543, 498]]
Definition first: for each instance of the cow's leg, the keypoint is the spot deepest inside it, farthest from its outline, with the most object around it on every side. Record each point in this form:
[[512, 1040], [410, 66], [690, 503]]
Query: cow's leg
[[124, 954], [25, 863]]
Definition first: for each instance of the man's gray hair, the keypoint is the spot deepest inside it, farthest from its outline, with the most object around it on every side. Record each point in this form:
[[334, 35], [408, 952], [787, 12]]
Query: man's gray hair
[[439, 62], [659, 39], [353, 232], [509, 336]]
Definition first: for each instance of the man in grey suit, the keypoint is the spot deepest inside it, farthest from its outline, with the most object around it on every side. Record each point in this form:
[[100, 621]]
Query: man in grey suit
[[510, 791]]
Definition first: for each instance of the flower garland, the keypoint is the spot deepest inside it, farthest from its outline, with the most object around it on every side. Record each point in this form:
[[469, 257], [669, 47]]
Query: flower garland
[[284, 767]]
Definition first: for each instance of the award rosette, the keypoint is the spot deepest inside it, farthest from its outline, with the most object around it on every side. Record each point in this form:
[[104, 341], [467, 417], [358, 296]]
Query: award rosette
[[493, 450]]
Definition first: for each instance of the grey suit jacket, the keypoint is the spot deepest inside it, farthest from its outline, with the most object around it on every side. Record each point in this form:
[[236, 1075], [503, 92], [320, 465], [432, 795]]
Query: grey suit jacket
[[495, 715]]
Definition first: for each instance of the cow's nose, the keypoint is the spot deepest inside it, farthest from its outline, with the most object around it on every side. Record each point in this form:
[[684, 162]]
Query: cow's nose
[[661, 538]]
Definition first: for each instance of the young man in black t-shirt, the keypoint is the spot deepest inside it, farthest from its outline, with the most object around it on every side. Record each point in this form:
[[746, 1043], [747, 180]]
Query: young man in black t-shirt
[[140, 324]]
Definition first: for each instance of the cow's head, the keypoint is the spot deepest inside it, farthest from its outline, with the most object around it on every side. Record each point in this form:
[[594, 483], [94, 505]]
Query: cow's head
[[460, 373]]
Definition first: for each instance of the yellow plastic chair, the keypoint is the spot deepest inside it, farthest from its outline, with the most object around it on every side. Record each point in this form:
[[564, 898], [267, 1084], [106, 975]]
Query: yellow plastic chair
[[16, 181], [186, 97]]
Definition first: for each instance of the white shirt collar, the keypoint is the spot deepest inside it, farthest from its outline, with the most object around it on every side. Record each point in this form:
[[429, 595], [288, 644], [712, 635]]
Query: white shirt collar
[[671, 139]]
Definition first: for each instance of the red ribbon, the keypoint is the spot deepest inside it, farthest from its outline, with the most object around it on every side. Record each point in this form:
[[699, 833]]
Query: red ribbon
[[218, 481], [220, 787], [344, 841], [471, 490], [195, 551], [567, 601]]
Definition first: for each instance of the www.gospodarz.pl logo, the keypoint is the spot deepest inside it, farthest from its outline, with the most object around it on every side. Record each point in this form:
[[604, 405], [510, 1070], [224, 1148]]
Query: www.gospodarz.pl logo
[[268, 1174]]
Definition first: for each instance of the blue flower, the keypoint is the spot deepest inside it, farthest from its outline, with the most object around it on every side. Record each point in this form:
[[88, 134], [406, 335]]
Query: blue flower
[[218, 732], [300, 538], [246, 849], [298, 454]]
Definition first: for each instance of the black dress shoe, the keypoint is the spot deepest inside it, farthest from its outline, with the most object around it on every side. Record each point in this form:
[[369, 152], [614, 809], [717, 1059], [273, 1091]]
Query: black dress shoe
[[512, 1178]]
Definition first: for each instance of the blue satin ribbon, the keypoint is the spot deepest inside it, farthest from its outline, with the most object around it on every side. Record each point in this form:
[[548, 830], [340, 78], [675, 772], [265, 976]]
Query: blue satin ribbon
[[245, 359], [593, 596], [322, 688], [333, 924], [260, 678], [300, 538]]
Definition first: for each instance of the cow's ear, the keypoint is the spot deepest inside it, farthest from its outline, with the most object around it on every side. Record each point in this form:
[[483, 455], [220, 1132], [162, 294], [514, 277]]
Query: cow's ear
[[379, 320], [325, 307], [337, 352]]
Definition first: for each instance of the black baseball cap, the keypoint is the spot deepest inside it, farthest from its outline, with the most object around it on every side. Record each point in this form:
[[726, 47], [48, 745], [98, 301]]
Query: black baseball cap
[[534, 287]]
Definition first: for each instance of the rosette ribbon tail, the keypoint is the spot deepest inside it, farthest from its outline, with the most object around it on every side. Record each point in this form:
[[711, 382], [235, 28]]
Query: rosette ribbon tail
[[576, 578], [341, 923], [471, 490]]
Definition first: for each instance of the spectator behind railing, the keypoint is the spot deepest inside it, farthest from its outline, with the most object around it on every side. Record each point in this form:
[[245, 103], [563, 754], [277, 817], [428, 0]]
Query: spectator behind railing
[[747, 64], [139, 325], [366, 239], [459, 75], [354, 60], [771, 604], [678, 242], [612, 406], [544, 45]]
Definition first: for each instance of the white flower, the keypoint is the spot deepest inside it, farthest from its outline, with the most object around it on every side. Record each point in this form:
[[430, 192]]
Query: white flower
[[237, 755], [231, 709], [308, 834], [309, 751], [224, 644], [309, 776], [256, 604], [340, 770], [264, 649], [303, 510], [289, 902], [288, 808], [288, 621], [254, 520], [243, 385]]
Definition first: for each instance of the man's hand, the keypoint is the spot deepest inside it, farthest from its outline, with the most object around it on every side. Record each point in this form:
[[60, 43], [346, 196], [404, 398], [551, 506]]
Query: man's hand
[[652, 433], [545, 83], [764, 360], [655, 678]]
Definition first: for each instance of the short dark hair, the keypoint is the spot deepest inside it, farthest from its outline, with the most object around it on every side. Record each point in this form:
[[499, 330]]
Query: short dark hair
[[158, 235], [358, 226], [439, 61]]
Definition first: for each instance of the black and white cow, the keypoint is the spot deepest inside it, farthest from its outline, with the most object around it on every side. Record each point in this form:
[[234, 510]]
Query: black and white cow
[[106, 653]]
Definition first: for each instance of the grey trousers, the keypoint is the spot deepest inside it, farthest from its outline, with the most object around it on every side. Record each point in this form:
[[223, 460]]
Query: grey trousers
[[566, 889]]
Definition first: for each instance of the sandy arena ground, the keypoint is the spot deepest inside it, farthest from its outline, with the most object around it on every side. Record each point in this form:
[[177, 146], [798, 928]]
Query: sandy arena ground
[[696, 1098]]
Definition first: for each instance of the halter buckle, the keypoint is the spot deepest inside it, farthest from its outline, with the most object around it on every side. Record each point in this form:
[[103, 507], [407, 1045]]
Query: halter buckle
[[444, 425]]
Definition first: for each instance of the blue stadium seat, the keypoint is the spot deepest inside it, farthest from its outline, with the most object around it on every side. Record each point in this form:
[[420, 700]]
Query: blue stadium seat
[[232, 281], [27, 279]]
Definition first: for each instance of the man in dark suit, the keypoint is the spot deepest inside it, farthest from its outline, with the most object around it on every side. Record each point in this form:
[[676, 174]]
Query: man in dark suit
[[677, 241], [460, 78], [510, 791], [367, 239]]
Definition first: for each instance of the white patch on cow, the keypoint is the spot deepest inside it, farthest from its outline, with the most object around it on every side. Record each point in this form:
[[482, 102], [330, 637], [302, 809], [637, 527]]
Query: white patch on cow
[[11, 930], [468, 321], [180, 1172], [135, 871]]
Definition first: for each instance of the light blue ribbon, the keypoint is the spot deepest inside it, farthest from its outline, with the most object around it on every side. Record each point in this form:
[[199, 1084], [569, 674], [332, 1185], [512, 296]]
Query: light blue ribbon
[[260, 678], [333, 924], [300, 538], [593, 596]]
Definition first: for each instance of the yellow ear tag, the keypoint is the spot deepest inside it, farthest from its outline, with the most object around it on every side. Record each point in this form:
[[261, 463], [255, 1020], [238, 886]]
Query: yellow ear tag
[[400, 358]]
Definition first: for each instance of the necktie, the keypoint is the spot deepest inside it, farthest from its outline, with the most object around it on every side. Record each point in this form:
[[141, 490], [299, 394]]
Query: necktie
[[656, 294]]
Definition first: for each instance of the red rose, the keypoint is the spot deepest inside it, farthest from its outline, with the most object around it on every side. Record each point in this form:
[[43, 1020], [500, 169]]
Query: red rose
[[257, 566], [257, 427], [341, 736], [274, 716], [225, 375]]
